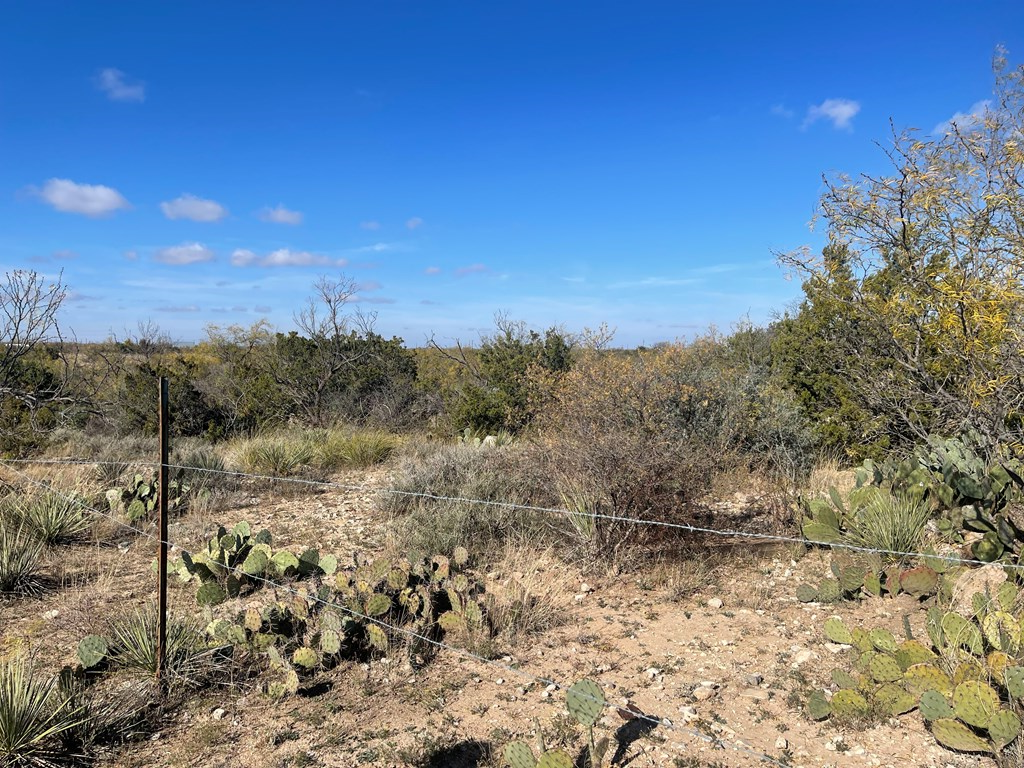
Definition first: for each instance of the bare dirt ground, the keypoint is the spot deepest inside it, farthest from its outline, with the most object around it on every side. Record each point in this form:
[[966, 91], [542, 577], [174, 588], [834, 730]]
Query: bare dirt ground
[[736, 671]]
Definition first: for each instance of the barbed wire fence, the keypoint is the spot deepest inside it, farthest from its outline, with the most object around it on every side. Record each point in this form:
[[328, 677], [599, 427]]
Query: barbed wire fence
[[738, 745]]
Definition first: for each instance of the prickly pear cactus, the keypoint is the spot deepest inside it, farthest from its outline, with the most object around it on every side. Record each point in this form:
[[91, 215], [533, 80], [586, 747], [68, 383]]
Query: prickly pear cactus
[[1003, 728], [1014, 677], [884, 669], [919, 678], [556, 759], [519, 755], [837, 632], [92, 650], [912, 652], [956, 735], [934, 706], [806, 593], [849, 704], [894, 699], [883, 640], [818, 707], [305, 658], [975, 703], [585, 700]]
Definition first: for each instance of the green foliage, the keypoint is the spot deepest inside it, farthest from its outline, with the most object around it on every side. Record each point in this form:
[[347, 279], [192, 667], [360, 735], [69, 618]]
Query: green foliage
[[869, 517], [34, 715], [92, 651], [860, 575], [20, 556], [137, 499], [974, 706], [52, 517], [585, 701], [133, 644]]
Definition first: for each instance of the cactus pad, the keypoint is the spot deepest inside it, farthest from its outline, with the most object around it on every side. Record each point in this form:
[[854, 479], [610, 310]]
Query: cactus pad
[[958, 631], [884, 669], [837, 632], [933, 706], [1002, 631], [329, 564], [861, 640], [818, 707], [844, 679], [330, 642], [305, 657], [849, 704], [1003, 728], [1014, 677], [873, 584], [92, 649], [211, 593], [519, 755], [558, 758], [1007, 595], [912, 652], [883, 640], [378, 604], [585, 700], [975, 703], [969, 669], [829, 591], [926, 677], [894, 699], [253, 621], [377, 638], [997, 662], [955, 735], [460, 556], [919, 582], [805, 593], [255, 563], [934, 626], [284, 562]]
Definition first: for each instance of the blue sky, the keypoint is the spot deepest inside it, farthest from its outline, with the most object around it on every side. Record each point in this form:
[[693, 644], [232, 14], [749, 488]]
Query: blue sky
[[565, 162]]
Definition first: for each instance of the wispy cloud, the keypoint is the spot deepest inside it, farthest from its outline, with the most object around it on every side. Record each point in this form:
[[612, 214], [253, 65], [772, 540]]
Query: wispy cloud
[[64, 254], [657, 282], [414, 223], [117, 88], [193, 208], [178, 308], [965, 121], [574, 279], [373, 226], [262, 308], [93, 200], [471, 269], [781, 110], [131, 255], [186, 253], [283, 257], [369, 285], [429, 302], [360, 299], [840, 112], [432, 271], [280, 215]]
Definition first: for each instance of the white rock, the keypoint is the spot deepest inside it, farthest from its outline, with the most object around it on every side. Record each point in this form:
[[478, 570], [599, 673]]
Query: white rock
[[703, 693], [218, 713], [715, 603], [781, 743]]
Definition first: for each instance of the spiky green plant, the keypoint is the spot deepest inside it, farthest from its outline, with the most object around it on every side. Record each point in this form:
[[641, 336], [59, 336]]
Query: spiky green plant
[[276, 456], [133, 643], [33, 716], [891, 523], [20, 557], [368, 448], [52, 517]]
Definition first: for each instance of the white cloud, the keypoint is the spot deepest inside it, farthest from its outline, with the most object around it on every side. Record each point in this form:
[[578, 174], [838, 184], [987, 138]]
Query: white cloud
[[262, 308], [186, 253], [369, 285], [359, 299], [472, 269], [781, 110], [178, 308], [193, 208], [414, 223], [657, 282], [432, 271], [839, 111], [131, 255], [377, 248], [112, 82], [283, 257], [280, 215], [64, 254], [373, 226], [87, 199], [965, 121]]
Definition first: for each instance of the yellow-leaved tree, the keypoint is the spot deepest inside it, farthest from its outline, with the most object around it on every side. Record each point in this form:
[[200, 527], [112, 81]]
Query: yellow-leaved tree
[[932, 276]]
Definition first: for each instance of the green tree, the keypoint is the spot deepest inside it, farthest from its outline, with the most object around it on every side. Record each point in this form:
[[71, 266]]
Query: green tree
[[933, 277]]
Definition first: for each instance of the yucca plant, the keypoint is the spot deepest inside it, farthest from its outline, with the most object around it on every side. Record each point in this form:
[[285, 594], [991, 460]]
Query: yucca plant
[[20, 556], [53, 518], [368, 448], [280, 457], [890, 523], [133, 643], [33, 716]]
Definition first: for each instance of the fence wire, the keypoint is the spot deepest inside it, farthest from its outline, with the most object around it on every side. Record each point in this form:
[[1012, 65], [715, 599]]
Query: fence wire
[[715, 741]]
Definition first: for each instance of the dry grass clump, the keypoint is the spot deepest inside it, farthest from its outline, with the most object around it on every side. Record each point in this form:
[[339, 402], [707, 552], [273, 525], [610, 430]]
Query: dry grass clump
[[21, 555], [53, 517], [434, 499], [529, 592]]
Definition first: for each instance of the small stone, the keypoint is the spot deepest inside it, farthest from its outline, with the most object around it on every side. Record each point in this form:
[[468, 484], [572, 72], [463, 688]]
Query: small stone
[[689, 714], [715, 603], [802, 657], [652, 672], [218, 713], [781, 743], [500, 681], [584, 587], [703, 693], [50, 615], [753, 680]]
